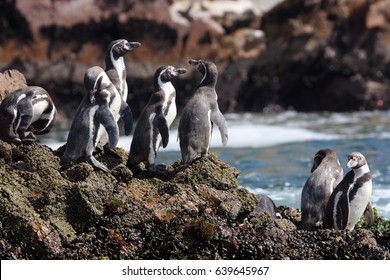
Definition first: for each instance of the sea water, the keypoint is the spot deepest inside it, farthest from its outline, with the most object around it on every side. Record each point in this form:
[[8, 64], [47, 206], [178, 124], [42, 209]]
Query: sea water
[[274, 152]]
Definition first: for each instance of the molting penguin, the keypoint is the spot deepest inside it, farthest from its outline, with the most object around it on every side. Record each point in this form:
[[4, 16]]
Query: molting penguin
[[116, 71], [199, 115], [351, 196], [92, 113], [152, 128], [266, 204], [25, 112], [326, 173]]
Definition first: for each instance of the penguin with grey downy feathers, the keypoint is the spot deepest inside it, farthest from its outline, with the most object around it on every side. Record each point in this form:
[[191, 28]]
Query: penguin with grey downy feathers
[[116, 71], [200, 114], [26, 112], [153, 125], [326, 173], [351, 196], [266, 205], [93, 113]]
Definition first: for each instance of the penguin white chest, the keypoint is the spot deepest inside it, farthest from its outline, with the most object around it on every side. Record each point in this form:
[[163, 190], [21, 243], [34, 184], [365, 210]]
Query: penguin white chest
[[358, 204], [115, 105], [169, 106]]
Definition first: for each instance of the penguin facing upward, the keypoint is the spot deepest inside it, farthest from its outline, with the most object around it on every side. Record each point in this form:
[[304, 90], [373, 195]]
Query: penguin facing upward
[[152, 128], [200, 114], [351, 196], [92, 113], [26, 112], [326, 173]]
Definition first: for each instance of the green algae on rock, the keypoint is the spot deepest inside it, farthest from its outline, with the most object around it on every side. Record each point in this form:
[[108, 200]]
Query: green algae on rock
[[198, 212]]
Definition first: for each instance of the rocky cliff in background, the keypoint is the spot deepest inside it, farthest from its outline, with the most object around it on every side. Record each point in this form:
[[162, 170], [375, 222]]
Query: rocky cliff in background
[[305, 55], [322, 55]]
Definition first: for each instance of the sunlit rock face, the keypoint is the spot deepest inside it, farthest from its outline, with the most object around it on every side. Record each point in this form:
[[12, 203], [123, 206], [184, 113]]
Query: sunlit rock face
[[271, 55]]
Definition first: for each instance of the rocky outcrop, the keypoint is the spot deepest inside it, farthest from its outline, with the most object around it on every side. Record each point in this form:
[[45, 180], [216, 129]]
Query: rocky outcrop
[[10, 81], [53, 42], [302, 55], [322, 55], [199, 212]]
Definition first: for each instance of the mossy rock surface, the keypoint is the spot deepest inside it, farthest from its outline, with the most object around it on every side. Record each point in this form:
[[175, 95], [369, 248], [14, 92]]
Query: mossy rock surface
[[198, 212]]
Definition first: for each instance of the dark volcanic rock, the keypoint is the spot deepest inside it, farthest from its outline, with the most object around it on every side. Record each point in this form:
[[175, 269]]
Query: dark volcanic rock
[[322, 55], [200, 212]]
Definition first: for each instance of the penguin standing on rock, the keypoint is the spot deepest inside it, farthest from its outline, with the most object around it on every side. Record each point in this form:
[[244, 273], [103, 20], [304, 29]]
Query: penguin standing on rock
[[92, 115], [351, 196], [152, 128], [116, 71], [115, 64], [200, 114], [25, 112], [326, 173]]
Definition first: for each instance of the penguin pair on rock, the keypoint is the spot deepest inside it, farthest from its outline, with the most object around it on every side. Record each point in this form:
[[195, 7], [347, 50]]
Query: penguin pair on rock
[[196, 123], [95, 123], [331, 201]]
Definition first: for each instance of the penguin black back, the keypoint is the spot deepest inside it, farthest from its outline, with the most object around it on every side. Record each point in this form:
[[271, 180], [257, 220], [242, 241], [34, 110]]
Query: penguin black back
[[326, 173], [351, 197], [200, 114]]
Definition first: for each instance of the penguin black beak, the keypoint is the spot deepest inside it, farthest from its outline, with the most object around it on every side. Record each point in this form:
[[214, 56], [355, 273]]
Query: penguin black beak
[[193, 62], [134, 45], [180, 71]]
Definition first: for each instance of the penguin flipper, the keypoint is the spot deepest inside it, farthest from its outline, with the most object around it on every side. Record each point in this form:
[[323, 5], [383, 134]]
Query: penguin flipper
[[368, 215], [111, 152], [217, 118], [160, 122], [342, 211], [105, 117], [26, 114], [127, 116]]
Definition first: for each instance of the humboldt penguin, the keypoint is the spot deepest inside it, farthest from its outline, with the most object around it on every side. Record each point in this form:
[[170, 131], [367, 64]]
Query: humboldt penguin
[[351, 196], [152, 128], [200, 114], [26, 112], [116, 71], [326, 173], [92, 115]]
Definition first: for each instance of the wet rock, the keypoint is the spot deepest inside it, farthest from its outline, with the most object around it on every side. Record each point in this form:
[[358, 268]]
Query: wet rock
[[199, 212]]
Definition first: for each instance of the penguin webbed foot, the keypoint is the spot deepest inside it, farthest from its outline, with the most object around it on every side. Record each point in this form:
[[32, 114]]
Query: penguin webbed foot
[[15, 140], [96, 164], [111, 152], [159, 171]]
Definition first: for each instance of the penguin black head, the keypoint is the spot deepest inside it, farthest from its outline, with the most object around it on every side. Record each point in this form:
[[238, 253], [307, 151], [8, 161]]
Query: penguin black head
[[95, 79], [320, 155], [208, 69], [356, 160], [165, 74], [119, 48]]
